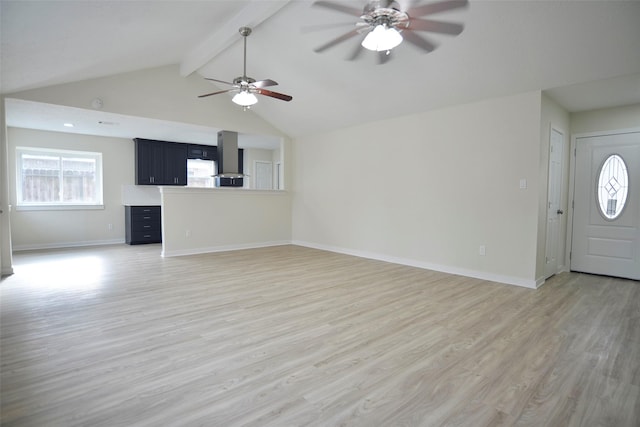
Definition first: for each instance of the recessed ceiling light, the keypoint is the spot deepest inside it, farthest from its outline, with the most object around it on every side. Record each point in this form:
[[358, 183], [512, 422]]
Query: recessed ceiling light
[[68, 125]]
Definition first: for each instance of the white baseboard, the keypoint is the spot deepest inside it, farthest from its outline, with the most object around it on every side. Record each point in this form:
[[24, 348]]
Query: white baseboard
[[224, 248], [62, 245], [483, 275]]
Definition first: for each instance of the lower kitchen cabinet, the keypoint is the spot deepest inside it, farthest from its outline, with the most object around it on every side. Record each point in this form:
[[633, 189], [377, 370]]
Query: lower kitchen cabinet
[[142, 224]]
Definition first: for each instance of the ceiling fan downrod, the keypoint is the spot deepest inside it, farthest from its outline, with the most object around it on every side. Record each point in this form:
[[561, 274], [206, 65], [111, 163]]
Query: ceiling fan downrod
[[245, 32]]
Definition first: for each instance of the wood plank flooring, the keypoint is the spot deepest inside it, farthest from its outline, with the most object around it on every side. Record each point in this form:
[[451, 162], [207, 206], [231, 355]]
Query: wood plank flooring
[[292, 336]]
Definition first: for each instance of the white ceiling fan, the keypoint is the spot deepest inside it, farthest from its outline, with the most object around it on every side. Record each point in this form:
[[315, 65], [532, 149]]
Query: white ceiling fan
[[385, 25]]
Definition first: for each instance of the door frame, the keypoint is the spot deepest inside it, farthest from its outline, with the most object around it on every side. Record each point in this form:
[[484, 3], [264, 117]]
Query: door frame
[[572, 181]]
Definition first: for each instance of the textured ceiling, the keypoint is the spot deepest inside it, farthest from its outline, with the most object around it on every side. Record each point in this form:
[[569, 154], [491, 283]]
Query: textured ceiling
[[585, 53]]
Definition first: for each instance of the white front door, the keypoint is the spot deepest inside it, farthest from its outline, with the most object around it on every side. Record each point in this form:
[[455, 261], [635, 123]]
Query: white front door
[[606, 216], [556, 143]]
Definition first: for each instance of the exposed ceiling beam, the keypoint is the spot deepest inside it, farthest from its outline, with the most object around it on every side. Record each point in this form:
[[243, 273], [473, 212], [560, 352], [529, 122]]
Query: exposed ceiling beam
[[254, 13]]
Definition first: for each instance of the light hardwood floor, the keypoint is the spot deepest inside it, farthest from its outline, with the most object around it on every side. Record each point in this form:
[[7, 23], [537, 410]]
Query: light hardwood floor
[[291, 336]]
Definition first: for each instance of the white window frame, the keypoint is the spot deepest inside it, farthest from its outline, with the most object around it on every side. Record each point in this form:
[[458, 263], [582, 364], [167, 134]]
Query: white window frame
[[97, 203]]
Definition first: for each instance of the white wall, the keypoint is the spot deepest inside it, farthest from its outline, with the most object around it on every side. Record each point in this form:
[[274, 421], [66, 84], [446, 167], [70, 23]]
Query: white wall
[[47, 228], [429, 189], [626, 117], [198, 220]]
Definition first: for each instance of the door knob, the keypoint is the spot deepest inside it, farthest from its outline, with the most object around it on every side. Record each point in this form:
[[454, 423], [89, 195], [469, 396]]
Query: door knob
[[560, 212]]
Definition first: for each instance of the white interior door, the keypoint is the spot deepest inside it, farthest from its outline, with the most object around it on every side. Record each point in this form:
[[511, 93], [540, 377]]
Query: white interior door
[[554, 211], [264, 175], [606, 217]]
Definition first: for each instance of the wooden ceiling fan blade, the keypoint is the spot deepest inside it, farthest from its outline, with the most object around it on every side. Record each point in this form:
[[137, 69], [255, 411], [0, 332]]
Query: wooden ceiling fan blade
[[273, 94], [219, 81], [451, 28], [216, 93], [264, 83], [339, 7], [418, 41], [336, 41], [441, 6]]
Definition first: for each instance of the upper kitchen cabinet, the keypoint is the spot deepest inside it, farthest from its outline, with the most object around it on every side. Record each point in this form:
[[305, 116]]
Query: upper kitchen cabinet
[[160, 162], [149, 162], [175, 164], [202, 152]]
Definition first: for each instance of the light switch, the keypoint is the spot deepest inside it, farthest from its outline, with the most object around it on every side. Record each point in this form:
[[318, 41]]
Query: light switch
[[523, 183]]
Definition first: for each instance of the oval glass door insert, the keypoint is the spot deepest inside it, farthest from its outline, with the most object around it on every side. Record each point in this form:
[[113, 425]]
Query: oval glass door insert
[[613, 185]]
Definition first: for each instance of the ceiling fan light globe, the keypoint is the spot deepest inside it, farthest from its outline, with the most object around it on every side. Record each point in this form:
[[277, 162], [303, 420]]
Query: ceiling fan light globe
[[382, 38], [245, 98]]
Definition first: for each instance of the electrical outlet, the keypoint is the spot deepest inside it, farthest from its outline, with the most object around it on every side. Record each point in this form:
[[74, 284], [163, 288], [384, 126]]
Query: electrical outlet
[[482, 251], [110, 227], [187, 233]]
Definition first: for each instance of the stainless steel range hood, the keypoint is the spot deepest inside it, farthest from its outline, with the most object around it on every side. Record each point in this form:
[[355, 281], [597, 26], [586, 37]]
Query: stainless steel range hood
[[228, 155]]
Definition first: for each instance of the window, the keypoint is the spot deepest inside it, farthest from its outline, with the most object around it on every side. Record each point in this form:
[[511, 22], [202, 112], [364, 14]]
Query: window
[[58, 179], [613, 184]]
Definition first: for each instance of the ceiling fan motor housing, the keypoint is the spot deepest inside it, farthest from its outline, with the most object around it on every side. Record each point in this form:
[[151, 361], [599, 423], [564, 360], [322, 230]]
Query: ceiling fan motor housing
[[384, 12], [243, 80], [381, 4]]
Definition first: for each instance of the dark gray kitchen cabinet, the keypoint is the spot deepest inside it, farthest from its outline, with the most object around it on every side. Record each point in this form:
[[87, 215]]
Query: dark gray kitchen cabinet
[[149, 157], [142, 224], [175, 164], [160, 162], [203, 152]]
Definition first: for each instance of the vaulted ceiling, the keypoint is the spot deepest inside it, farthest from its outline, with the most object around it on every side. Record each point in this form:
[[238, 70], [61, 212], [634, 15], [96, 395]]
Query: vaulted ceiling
[[586, 54]]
